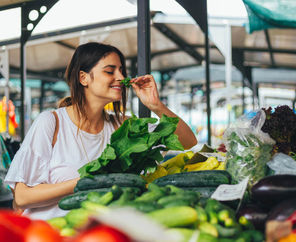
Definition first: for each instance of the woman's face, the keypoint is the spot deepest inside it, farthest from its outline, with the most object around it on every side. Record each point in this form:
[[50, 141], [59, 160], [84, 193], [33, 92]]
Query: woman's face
[[103, 81]]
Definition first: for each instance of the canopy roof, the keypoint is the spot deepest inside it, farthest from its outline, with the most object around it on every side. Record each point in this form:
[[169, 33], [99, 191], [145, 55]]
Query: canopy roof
[[176, 41]]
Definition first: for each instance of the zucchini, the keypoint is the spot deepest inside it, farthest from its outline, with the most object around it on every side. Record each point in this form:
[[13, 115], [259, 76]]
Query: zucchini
[[227, 232], [144, 207], [205, 192], [189, 198], [108, 180], [127, 195], [195, 179], [175, 216], [73, 201]]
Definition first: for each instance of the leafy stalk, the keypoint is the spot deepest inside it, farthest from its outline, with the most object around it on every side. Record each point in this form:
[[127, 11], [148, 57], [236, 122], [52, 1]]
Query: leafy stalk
[[133, 148]]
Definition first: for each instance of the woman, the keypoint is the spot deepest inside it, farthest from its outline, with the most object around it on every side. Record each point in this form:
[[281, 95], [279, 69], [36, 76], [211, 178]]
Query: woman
[[60, 142]]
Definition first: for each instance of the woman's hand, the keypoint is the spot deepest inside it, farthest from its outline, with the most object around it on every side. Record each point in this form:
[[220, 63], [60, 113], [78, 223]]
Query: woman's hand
[[146, 89]]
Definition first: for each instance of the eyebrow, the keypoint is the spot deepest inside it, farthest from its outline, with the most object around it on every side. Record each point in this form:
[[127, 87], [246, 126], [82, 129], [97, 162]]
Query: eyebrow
[[111, 66]]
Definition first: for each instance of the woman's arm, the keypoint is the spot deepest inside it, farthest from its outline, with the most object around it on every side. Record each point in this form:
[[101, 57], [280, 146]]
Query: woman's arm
[[41, 195], [146, 89]]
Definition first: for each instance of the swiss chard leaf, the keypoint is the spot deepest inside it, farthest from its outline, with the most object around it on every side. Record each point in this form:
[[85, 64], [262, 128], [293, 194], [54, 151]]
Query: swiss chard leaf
[[133, 148]]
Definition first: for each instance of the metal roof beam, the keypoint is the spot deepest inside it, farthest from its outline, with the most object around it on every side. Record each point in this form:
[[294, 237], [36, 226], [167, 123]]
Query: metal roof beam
[[174, 37], [71, 47], [269, 47]]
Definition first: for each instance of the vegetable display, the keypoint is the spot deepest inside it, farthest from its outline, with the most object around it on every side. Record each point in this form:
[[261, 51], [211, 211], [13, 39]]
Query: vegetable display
[[133, 148]]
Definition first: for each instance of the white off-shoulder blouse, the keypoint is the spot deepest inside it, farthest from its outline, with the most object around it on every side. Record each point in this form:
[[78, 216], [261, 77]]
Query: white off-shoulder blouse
[[36, 162]]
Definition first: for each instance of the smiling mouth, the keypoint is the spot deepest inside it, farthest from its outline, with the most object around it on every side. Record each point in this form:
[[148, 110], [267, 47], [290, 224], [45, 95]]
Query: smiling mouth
[[116, 87]]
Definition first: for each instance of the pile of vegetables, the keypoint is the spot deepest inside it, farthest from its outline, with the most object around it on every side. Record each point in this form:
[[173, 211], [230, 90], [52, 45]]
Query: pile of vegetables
[[171, 201], [134, 149]]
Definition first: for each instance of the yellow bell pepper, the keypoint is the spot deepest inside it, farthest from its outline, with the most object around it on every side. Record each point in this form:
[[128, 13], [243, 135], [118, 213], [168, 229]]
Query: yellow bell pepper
[[210, 164], [221, 166], [178, 160], [159, 172]]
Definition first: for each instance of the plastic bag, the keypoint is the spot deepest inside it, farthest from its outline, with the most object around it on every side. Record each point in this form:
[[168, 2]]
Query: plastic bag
[[282, 164], [248, 148]]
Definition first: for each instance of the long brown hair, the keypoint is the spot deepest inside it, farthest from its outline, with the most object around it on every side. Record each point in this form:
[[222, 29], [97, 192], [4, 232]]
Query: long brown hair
[[85, 57]]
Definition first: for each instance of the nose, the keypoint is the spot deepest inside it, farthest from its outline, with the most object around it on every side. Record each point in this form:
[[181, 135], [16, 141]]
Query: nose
[[119, 76]]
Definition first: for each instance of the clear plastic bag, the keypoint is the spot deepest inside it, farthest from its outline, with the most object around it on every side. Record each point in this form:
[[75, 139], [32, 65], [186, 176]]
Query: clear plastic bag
[[248, 148], [282, 164]]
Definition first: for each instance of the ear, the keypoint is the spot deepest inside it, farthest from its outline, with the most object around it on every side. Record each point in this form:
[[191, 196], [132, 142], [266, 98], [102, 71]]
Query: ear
[[83, 78]]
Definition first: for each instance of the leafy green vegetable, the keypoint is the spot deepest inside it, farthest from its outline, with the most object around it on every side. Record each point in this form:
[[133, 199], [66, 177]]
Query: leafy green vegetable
[[133, 148], [126, 81], [247, 157]]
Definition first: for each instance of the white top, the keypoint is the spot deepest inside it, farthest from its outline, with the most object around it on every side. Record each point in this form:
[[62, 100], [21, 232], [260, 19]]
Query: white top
[[37, 162]]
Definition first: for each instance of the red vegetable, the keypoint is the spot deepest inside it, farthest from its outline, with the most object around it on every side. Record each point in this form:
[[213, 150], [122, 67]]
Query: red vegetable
[[41, 231], [102, 233]]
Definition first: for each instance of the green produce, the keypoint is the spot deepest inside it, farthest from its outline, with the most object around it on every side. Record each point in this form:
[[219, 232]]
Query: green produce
[[195, 179], [201, 214], [205, 192], [142, 206], [108, 180], [126, 82], [57, 222], [183, 233], [175, 216], [94, 207], [208, 228], [77, 217], [227, 232], [73, 201], [126, 196], [108, 197], [247, 156], [133, 148], [188, 198], [68, 232], [205, 237]]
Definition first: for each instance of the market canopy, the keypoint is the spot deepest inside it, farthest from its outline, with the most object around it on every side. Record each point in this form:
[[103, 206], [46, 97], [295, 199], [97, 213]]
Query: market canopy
[[265, 14]]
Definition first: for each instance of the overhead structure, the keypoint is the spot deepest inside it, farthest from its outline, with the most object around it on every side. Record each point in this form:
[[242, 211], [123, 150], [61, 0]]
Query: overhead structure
[[266, 14]]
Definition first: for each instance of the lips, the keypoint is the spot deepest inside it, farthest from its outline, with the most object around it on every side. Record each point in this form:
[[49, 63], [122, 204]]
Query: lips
[[116, 87]]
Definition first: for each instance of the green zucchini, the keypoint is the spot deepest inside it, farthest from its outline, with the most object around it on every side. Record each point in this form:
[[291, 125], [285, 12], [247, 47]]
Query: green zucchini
[[189, 198], [227, 232], [175, 216], [73, 201], [144, 207], [108, 180], [206, 178], [205, 192]]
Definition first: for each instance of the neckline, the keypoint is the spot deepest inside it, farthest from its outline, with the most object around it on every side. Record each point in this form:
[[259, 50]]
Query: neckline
[[80, 130]]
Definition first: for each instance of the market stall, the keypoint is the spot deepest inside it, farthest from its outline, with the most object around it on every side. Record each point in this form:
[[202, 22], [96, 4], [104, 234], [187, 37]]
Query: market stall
[[243, 190]]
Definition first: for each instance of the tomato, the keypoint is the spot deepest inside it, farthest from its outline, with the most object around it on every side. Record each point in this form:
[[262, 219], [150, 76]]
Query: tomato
[[41, 231], [8, 233], [18, 220], [101, 233]]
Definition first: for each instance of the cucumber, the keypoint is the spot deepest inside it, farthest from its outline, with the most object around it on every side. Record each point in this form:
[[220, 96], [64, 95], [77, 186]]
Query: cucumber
[[178, 203], [189, 198], [73, 201], [227, 232], [205, 192], [144, 207], [108, 180], [175, 216], [206, 178], [127, 195]]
